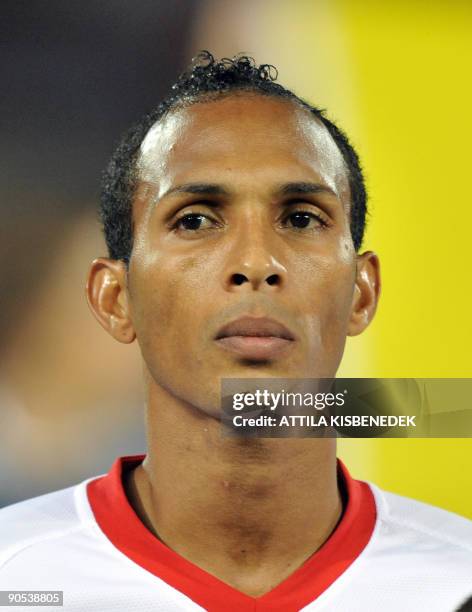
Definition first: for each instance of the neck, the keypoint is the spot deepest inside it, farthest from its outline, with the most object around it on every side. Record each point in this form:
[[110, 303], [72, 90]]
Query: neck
[[249, 511]]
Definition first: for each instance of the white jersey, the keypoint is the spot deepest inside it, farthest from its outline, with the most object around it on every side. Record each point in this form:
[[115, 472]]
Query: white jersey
[[387, 553]]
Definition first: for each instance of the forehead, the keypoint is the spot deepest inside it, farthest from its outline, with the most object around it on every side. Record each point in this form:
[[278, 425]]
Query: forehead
[[241, 137]]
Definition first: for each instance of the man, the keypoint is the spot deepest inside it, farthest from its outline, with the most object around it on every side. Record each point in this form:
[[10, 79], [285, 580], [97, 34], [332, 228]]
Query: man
[[233, 216]]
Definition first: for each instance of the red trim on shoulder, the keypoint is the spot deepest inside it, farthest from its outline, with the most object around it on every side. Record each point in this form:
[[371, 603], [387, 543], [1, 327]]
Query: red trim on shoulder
[[122, 527]]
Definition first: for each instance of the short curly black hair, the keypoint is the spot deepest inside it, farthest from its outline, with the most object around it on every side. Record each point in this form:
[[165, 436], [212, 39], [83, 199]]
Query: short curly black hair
[[208, 78]]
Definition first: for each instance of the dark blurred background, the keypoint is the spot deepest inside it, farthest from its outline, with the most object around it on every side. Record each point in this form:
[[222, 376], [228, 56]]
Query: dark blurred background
[[75, 75]]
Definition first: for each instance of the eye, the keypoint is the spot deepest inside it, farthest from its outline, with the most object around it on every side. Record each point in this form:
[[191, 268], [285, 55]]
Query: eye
[[191, 222], [305, 220]]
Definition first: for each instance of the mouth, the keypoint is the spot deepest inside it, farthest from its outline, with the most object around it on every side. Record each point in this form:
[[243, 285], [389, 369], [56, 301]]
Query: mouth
[[255, 338]]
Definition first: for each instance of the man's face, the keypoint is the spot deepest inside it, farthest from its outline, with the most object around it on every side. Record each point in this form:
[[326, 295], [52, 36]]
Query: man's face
[[242, 211]]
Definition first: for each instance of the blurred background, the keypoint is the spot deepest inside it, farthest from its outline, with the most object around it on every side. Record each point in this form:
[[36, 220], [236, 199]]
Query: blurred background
[[76, 74]]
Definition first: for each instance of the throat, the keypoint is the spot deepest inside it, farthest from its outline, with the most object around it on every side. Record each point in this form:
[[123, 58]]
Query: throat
[[250, 520]]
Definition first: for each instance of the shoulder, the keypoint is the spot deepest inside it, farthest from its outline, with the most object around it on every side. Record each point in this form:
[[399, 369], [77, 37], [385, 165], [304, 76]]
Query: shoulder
[[420, 527], [42, 519]]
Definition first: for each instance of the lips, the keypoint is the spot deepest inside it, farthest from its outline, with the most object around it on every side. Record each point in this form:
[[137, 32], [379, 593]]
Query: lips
[[255, 338]]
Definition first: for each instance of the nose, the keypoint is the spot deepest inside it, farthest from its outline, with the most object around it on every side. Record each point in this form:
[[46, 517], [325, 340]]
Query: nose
[[253, 265]]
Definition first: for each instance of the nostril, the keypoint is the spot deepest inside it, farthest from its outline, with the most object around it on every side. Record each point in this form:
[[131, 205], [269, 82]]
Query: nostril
[[273, 279], [239, 279]]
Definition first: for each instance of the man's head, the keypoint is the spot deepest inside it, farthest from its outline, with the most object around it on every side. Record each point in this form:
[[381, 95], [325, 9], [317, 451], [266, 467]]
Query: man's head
[[242, 201], [209, 79]]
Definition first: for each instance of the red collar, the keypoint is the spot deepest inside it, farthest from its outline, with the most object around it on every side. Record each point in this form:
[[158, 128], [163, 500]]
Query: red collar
[[122, 527]]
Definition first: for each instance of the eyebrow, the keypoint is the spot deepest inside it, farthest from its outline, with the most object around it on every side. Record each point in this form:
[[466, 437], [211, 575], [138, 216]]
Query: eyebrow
[[293, 188], [305, 188]]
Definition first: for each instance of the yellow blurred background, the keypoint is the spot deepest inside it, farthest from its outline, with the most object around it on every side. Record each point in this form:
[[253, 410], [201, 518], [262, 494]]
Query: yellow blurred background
[[394, 75]]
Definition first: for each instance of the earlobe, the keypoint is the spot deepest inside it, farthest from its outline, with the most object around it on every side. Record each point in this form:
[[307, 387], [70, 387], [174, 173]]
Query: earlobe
[[107, 296], [366, 293]]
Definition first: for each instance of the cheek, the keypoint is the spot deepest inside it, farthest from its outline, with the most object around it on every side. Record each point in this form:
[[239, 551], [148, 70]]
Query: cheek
[[327, 282], [164, 293]]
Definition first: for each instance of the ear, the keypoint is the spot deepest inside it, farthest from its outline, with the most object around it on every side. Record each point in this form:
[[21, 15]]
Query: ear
[[107, 296], [366, 293]]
